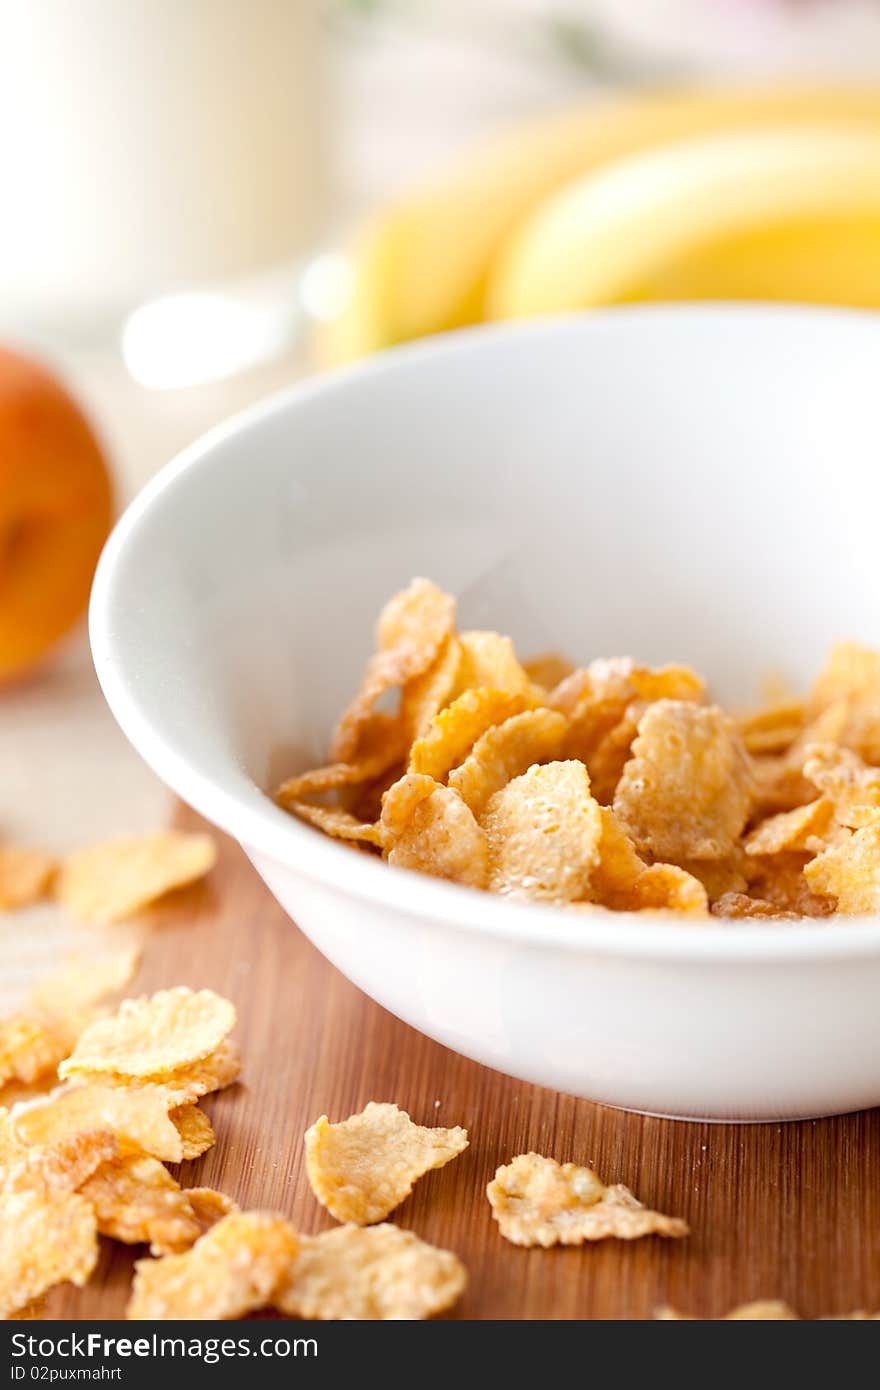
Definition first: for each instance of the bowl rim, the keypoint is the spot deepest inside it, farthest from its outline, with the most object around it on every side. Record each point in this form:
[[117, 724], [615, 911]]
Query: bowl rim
[[265, 829]]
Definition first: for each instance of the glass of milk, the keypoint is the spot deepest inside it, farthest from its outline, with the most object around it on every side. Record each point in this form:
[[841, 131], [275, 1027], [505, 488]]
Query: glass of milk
[[152, 147]]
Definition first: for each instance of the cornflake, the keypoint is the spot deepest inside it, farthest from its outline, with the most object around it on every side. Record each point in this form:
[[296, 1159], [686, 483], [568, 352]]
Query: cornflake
[[364, 1167], [30, 1049], [544, 831], [442, 838], [764, 1310], [231, 1271], [851, 786], [45, 1239], [382, 743], [137, 1116], [427, 694], [506, 751], [849, 872], [136, 1200], [378, 1272], [61, 1165], [537, 1201], [109, 882], [25, 875], [336, 822], [412, 629], [488, 659], [686, 791], [195, 1130], [454, 731], [804, 828], [173, 1029]]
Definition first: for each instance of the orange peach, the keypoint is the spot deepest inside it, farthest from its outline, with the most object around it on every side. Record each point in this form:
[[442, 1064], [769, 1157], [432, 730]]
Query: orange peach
[[55, 511]]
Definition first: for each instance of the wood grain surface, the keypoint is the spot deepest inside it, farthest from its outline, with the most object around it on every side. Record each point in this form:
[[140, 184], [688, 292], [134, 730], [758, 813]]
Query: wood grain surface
[[777, 1211]]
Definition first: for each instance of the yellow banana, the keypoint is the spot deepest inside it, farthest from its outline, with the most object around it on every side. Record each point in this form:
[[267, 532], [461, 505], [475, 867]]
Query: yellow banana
[[774, 212], [422, 265]]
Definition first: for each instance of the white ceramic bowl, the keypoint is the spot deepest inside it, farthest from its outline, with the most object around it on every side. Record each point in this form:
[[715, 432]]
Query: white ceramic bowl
[[697, 484]]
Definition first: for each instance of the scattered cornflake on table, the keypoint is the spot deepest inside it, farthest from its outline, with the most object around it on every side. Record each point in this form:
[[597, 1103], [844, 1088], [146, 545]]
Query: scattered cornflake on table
[[195, 1130], [155, 1036], [112, 881], [232, 1270], [25, 875], [136, 1200], [537, 1201], [46, 1238], [763, 1310], [375, 1272], [30, 1049], [62, 1164], [364, 1167], [138, 1116]]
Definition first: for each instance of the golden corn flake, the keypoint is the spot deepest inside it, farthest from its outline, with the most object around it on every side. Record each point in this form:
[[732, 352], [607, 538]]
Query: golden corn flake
[[154, 1036], [719, 876], [548, 670], [488, 659], [852, 672], [742, 905], [25, 875], [136, 1200], [614, 877], [686, 791], [845, 780], [427, 694], [544, 830], [453, 732], [45, 1239], [442, 838], [781, 880], [185, 1085], [537, 1201], [29, 1048], [849, 872], [377, 1273], [231, 1271], [401, 800], [364, 1167], [764, 1310], [804, 828], [382, 743], [195, 1130], [599, 700], [137, 1116], [336, 822], [506, 751], [111, 881], [209, 1206], [62, 1164], [412, 629], [773, 730], [667, 888]]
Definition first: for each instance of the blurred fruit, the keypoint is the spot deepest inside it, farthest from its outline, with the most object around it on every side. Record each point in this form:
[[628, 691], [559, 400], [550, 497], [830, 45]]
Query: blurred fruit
[[55, 511], [790, 214], [423, 265]]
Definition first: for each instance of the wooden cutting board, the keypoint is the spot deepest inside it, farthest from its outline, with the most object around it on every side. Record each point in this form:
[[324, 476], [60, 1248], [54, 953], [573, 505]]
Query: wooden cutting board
[[786, 1211]]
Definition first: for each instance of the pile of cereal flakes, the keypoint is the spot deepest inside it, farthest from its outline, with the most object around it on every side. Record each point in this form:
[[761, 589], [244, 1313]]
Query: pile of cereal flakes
[[612, 785]]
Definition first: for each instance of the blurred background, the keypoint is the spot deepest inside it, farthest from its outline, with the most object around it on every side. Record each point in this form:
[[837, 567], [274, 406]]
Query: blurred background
[[205, 200]]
